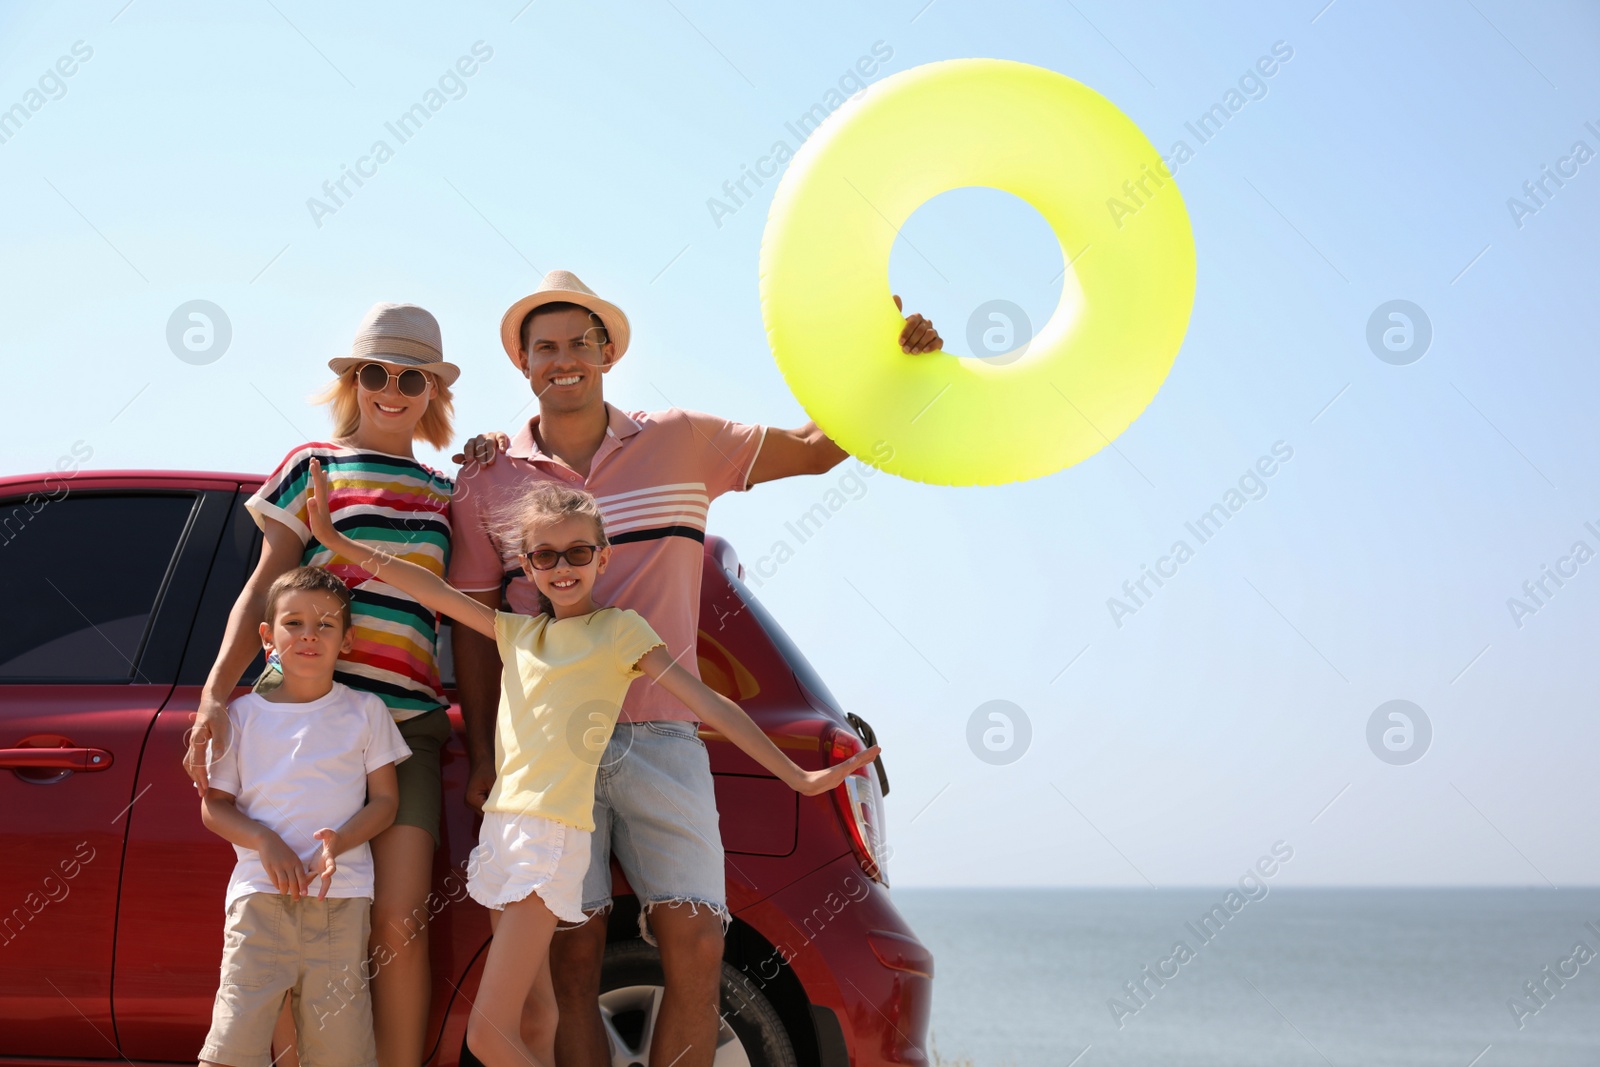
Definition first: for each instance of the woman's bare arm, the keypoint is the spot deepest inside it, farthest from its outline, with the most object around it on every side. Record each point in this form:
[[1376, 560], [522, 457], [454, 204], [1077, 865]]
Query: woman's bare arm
[[280, 551]]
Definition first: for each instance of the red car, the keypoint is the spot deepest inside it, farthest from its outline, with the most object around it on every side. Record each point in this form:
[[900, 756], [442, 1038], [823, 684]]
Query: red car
[[116, 587]]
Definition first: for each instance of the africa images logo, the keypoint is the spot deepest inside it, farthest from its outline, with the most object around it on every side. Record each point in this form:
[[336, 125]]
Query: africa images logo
[[850, 84]]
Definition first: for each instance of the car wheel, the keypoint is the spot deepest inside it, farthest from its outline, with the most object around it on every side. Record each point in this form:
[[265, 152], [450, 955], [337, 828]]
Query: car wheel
[[750, 1033]]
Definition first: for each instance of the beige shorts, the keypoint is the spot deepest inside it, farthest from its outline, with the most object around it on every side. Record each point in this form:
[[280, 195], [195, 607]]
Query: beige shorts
[[314, 950]]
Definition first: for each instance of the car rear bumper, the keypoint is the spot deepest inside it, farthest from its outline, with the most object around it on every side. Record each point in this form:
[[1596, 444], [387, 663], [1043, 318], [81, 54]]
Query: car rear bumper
[[857, 960]]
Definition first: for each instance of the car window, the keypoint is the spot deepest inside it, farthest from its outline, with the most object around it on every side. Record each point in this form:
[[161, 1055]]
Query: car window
[[80, 574]]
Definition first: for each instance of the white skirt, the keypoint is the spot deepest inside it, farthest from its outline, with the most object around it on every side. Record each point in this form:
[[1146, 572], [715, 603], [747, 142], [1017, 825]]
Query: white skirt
[[522, 854]]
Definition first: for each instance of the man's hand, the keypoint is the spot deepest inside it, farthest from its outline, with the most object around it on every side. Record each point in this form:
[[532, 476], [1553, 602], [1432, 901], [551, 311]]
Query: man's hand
[[480, 779], [326, 863], [288, 874], [812, 783], [482, 449], [478, 670], [210, 724], [918, 334]]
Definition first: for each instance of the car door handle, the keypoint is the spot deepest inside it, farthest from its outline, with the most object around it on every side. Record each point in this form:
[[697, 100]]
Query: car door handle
[[55, 759]]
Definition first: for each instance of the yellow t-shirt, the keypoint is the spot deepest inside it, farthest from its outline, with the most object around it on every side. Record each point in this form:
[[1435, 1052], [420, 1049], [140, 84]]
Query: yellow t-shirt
[[561, 689]]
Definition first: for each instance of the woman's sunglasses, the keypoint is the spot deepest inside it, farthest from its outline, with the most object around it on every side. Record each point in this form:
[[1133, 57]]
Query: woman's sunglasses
[[545, 559], [374, 378]]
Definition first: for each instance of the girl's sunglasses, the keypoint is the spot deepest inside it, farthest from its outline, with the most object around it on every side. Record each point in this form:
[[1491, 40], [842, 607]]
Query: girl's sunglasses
[[374, 378], [545, 559]]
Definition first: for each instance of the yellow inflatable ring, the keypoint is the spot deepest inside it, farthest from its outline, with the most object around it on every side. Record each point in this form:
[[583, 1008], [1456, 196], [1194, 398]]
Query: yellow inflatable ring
[[1085, 376]]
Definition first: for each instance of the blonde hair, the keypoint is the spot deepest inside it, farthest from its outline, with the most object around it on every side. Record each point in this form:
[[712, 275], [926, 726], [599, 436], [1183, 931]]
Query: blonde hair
[[545, 503], [435, 426]]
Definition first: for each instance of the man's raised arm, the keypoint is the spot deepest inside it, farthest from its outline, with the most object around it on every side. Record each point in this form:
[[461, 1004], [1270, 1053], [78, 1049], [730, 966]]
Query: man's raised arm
[[807, 450]]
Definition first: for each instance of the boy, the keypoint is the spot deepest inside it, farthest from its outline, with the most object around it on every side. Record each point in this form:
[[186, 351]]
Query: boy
[[306, 781]]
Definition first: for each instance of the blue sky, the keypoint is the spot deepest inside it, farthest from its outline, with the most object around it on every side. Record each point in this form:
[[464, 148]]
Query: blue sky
[[1231, 709]]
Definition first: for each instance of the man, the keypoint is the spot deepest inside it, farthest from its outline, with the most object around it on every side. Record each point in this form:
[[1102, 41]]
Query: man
[[654, 476]]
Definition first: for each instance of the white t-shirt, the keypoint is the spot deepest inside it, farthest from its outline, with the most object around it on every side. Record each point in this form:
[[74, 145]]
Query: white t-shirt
[[296, 768]]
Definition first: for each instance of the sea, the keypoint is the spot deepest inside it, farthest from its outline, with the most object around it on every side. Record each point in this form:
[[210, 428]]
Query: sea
[[1320, 977]]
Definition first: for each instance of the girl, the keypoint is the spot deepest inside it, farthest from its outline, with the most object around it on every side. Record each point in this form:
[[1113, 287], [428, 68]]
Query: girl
[[565, 673], [393, 389]]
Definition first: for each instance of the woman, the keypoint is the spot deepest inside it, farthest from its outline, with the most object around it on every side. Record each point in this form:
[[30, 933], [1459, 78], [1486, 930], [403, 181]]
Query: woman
[[393, 389]]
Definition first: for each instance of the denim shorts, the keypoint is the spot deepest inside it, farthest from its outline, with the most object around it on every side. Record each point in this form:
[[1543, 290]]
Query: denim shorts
[[654, 805]]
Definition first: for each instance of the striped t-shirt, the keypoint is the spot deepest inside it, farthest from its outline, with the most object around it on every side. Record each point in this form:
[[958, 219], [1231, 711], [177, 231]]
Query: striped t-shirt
[[401, 506]]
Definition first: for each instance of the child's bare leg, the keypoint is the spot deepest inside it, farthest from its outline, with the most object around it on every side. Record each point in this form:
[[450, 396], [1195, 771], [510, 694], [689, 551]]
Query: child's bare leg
[[540, 1013], [506, 1013], [285, 1042]]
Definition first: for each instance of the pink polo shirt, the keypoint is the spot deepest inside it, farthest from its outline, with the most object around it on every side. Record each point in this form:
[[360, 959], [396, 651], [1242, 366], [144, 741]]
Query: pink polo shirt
[[654, 477]]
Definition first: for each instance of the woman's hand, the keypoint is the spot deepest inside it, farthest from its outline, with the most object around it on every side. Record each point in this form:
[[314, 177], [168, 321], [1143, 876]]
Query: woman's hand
[[210, 724], [918, 335], [481, 450], [811, 783]]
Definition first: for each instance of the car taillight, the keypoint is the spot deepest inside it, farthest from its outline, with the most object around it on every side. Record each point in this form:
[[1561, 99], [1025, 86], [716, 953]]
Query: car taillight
[[860, 803]]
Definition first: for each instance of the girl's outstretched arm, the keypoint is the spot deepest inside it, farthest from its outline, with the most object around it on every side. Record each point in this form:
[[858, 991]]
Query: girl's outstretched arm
[[730, 720], [421, 585]]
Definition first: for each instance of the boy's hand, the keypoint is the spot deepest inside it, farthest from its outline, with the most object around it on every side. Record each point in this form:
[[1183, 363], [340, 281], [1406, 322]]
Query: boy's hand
[[288, 874], [481, 450], [918, 334], [811, 783], [325, 864]]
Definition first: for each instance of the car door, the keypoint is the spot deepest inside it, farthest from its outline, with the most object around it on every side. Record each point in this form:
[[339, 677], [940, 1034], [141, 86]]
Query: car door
[[175, 875], [95, 590]]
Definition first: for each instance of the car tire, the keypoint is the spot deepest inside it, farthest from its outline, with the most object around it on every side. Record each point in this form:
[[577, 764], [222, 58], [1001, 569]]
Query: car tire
[[751, 1034]]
